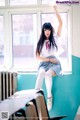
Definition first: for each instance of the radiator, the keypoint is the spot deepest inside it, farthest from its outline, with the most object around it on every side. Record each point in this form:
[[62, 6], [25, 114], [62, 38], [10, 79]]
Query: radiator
[[8, 84]]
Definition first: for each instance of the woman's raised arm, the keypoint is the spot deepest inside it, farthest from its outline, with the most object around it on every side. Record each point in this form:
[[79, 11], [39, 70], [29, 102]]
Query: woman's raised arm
[[59, 20]]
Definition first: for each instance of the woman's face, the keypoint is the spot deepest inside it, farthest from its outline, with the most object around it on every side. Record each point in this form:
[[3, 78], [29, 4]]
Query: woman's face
[[47, 33]]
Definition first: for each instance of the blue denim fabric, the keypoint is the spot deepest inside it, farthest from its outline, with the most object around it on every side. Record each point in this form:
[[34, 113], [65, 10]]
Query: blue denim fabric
[[51, 66]]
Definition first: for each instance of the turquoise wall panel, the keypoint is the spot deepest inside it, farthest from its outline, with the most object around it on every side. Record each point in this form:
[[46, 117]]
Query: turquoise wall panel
[[65, 90], [26, 81]]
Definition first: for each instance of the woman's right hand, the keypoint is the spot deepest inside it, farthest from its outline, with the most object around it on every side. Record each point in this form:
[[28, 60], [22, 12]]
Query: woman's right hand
[[55, 8], [59, 20], [53, 60]]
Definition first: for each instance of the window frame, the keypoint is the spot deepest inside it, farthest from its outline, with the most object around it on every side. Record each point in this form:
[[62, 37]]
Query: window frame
[[39, 9]]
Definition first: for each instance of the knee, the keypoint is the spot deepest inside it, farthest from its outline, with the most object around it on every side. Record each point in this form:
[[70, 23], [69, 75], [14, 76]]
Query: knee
[[48, 73], [41, 72]]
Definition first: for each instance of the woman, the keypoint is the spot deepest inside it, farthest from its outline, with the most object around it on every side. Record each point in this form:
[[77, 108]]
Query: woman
[[46, 52]]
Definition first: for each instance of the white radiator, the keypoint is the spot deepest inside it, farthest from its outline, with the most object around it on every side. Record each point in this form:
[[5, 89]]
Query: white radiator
[[8, 84]]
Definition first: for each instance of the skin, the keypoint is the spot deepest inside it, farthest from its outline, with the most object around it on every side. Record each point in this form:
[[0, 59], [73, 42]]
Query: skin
[[47, 34]]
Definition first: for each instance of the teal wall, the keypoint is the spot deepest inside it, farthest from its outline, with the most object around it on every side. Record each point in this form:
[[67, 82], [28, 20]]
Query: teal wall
[[65, 90]]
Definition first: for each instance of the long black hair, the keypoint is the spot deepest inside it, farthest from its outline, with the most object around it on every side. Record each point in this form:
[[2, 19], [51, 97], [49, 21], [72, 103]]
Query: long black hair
[[43, 37]]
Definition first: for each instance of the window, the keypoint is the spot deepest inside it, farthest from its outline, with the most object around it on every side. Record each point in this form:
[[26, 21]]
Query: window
[[24, 41], [22, 31], [1, 41], [2, 2], [51, 1], [48, 1], [22, 2]]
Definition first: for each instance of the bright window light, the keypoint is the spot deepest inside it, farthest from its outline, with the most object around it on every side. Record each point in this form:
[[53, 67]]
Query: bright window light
[[2, 2], [24, 41], [1, 41], [22, 2]]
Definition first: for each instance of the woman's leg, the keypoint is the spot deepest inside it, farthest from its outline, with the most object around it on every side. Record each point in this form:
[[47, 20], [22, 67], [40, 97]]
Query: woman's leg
[[48, 82], [40, 77]]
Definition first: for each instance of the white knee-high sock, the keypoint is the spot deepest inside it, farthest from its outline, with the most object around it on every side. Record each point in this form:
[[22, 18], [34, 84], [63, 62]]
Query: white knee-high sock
[[48, 83], [40, 77]]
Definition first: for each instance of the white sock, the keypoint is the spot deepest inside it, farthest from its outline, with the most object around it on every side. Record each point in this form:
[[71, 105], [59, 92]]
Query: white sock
[[40, 77], [48, 82]]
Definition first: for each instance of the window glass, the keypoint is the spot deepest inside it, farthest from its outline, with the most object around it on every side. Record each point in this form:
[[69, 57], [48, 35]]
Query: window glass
[[1, 41], [2, 2], [52, 1], [22, 2], [24, 41]]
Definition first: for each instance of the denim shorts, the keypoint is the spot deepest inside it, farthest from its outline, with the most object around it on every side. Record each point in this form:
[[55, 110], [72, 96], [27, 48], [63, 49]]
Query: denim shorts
[[56, 67]]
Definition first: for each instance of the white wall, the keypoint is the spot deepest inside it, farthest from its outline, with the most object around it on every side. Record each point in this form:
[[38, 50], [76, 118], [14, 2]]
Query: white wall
[[76, 30]]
